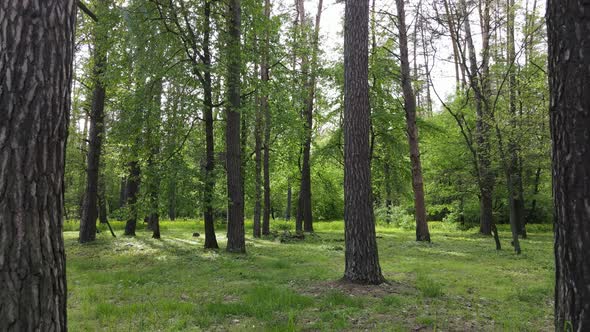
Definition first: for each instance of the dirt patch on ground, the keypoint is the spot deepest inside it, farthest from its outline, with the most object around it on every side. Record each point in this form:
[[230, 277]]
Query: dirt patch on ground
[[375, 291]]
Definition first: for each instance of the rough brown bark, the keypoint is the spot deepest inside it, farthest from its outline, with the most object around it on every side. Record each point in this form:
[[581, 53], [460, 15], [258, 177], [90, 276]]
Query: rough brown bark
[[90, 206], [235, 222], [36, 52], [362, 259], [569, 82], [422, 233]]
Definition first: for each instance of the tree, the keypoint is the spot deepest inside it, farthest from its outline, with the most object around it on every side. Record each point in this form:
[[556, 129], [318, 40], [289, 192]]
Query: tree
[[362, 259], [422, 233], [90, 206], [265, 108], [568, 32], [36, 55], [304, 209], [235, 221]]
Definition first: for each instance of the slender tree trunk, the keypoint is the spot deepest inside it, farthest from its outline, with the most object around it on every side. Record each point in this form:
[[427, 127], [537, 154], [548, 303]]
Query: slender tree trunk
[[479, 85], [153, 137], [422, 233], [123, 192], [90, 207], [515, 182], [36, 53], [257, 229], [304, 209], [235, 227], [172, 196], [568, 32], [264, 75], [132, 192], [454, 41], [361, 255], [102, 201], [208, 193], [289, 197], [388, 193]]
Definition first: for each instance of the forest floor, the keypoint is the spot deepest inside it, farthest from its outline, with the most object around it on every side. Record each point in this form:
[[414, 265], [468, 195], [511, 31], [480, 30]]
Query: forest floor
[[457, 283]]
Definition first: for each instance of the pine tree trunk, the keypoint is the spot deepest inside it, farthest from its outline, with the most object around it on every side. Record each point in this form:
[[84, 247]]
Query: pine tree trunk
[[264, 74], [257, 229], [422, 233], [235, 225], [90, 207], [36, 53], [569, 33], [362, 259]]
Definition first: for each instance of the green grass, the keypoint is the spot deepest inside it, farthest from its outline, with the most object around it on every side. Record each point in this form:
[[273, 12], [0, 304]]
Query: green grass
[[459, 282]]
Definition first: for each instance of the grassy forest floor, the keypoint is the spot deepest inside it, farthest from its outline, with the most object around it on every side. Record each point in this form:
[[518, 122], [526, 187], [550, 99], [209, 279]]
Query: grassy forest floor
[[459, 282]]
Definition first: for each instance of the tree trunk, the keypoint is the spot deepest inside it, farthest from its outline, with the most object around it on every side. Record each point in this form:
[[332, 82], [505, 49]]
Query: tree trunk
[[512, 169], [132, 192], [208, 193], [172, 196], [264, 74], [90, 207], [422, 233], [102, 201], [568, 33], [479, 85], [36, 48], [257, 229], [454, 41], [388, 192], [362, 259], [289, 197], [235, 226], [123, 192], [304, 210]]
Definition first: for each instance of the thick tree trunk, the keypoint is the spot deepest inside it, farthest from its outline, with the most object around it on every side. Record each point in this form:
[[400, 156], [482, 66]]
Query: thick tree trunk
[[362, 259], [569, 83], [90, 207], [208, 193], [264, 74], [235, 223], [422, 233], [36, 52], [132, 192]]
